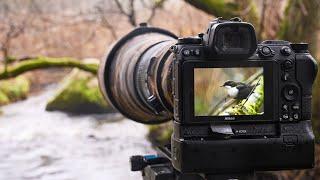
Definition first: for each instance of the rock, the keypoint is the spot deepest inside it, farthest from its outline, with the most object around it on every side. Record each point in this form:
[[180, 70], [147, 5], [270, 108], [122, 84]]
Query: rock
[[15, 89], [160, 134], [79, 94]]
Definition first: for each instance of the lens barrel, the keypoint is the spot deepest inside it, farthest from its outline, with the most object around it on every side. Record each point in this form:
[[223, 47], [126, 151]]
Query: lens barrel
[[135, 77]]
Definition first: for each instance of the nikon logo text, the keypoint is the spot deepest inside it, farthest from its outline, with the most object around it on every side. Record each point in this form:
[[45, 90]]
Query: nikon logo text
[[229, 118]]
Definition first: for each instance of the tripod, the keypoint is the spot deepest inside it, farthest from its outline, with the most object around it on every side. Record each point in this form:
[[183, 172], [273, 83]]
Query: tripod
[[159, 167]]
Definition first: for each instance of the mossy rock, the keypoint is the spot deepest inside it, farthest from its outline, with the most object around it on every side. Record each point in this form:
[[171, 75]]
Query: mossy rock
[[12, 90], [160, 134], [79, 94]]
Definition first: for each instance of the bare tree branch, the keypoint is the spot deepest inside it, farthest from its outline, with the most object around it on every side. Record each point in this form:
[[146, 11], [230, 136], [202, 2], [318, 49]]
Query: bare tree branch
[[120, 7], [105, 23], [153, 9]]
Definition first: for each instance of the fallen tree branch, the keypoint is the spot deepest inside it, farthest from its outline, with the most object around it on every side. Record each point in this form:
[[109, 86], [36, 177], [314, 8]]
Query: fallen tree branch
[[46, 62], [250, 106]]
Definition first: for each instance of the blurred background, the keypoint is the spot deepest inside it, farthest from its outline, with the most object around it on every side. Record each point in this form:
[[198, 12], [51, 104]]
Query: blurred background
[[54, 123]]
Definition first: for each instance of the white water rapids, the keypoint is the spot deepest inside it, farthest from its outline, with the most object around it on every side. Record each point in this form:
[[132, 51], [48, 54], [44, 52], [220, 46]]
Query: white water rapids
[[35, 144]]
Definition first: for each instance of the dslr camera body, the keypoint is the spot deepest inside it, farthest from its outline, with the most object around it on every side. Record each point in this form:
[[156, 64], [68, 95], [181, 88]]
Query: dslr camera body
[[237, 106], [261, 120]]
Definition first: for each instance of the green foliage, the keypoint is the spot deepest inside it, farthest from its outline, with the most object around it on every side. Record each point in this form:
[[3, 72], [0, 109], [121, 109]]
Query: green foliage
[[14, 89], [200, 107], [79, 94]]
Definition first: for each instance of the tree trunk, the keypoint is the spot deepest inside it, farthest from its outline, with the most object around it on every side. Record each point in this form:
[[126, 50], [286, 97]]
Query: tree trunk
[[271, 16], [301, 22]]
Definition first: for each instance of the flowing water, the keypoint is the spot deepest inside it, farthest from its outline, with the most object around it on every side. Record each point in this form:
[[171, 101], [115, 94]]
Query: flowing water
[[35, 144]]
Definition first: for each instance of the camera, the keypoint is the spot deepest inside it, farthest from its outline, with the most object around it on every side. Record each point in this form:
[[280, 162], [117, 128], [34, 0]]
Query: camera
[[237, 106]]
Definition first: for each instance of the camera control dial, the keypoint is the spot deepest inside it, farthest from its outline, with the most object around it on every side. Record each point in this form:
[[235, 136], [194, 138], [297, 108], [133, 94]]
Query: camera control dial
[[290, 92], [287, 64]]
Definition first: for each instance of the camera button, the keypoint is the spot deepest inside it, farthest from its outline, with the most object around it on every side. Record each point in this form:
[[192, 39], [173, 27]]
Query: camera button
[[265, 51], [285, 50], [287, 64], [186, 52], [295, 107], [290, 92], [197, 52], [296, 116], [290, 139], [285, 77], [285, 116], [285, 107]]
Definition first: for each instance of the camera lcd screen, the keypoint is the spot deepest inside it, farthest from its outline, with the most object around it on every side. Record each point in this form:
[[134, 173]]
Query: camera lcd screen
[[228, 91]]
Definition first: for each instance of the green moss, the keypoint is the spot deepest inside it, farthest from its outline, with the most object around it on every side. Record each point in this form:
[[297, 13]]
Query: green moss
[[47, 62], [14, 89], [160, 134], [10, 59], [3, 98], [79, 94], [246, 9]]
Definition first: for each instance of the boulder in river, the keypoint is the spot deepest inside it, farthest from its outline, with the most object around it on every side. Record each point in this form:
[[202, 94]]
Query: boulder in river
[[14, 89], [79, 94]]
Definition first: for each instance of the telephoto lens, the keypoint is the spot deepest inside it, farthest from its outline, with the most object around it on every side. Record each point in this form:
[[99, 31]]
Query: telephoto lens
[[135, 76]]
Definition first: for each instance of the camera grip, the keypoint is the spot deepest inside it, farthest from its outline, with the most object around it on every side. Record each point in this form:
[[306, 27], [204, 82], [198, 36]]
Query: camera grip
[[307, 69]]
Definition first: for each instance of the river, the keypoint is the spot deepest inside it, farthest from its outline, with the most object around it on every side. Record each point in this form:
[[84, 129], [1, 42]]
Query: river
[[36, 144]]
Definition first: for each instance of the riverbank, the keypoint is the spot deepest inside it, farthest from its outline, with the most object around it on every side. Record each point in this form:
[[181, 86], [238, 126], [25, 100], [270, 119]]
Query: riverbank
[[51, 145]]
